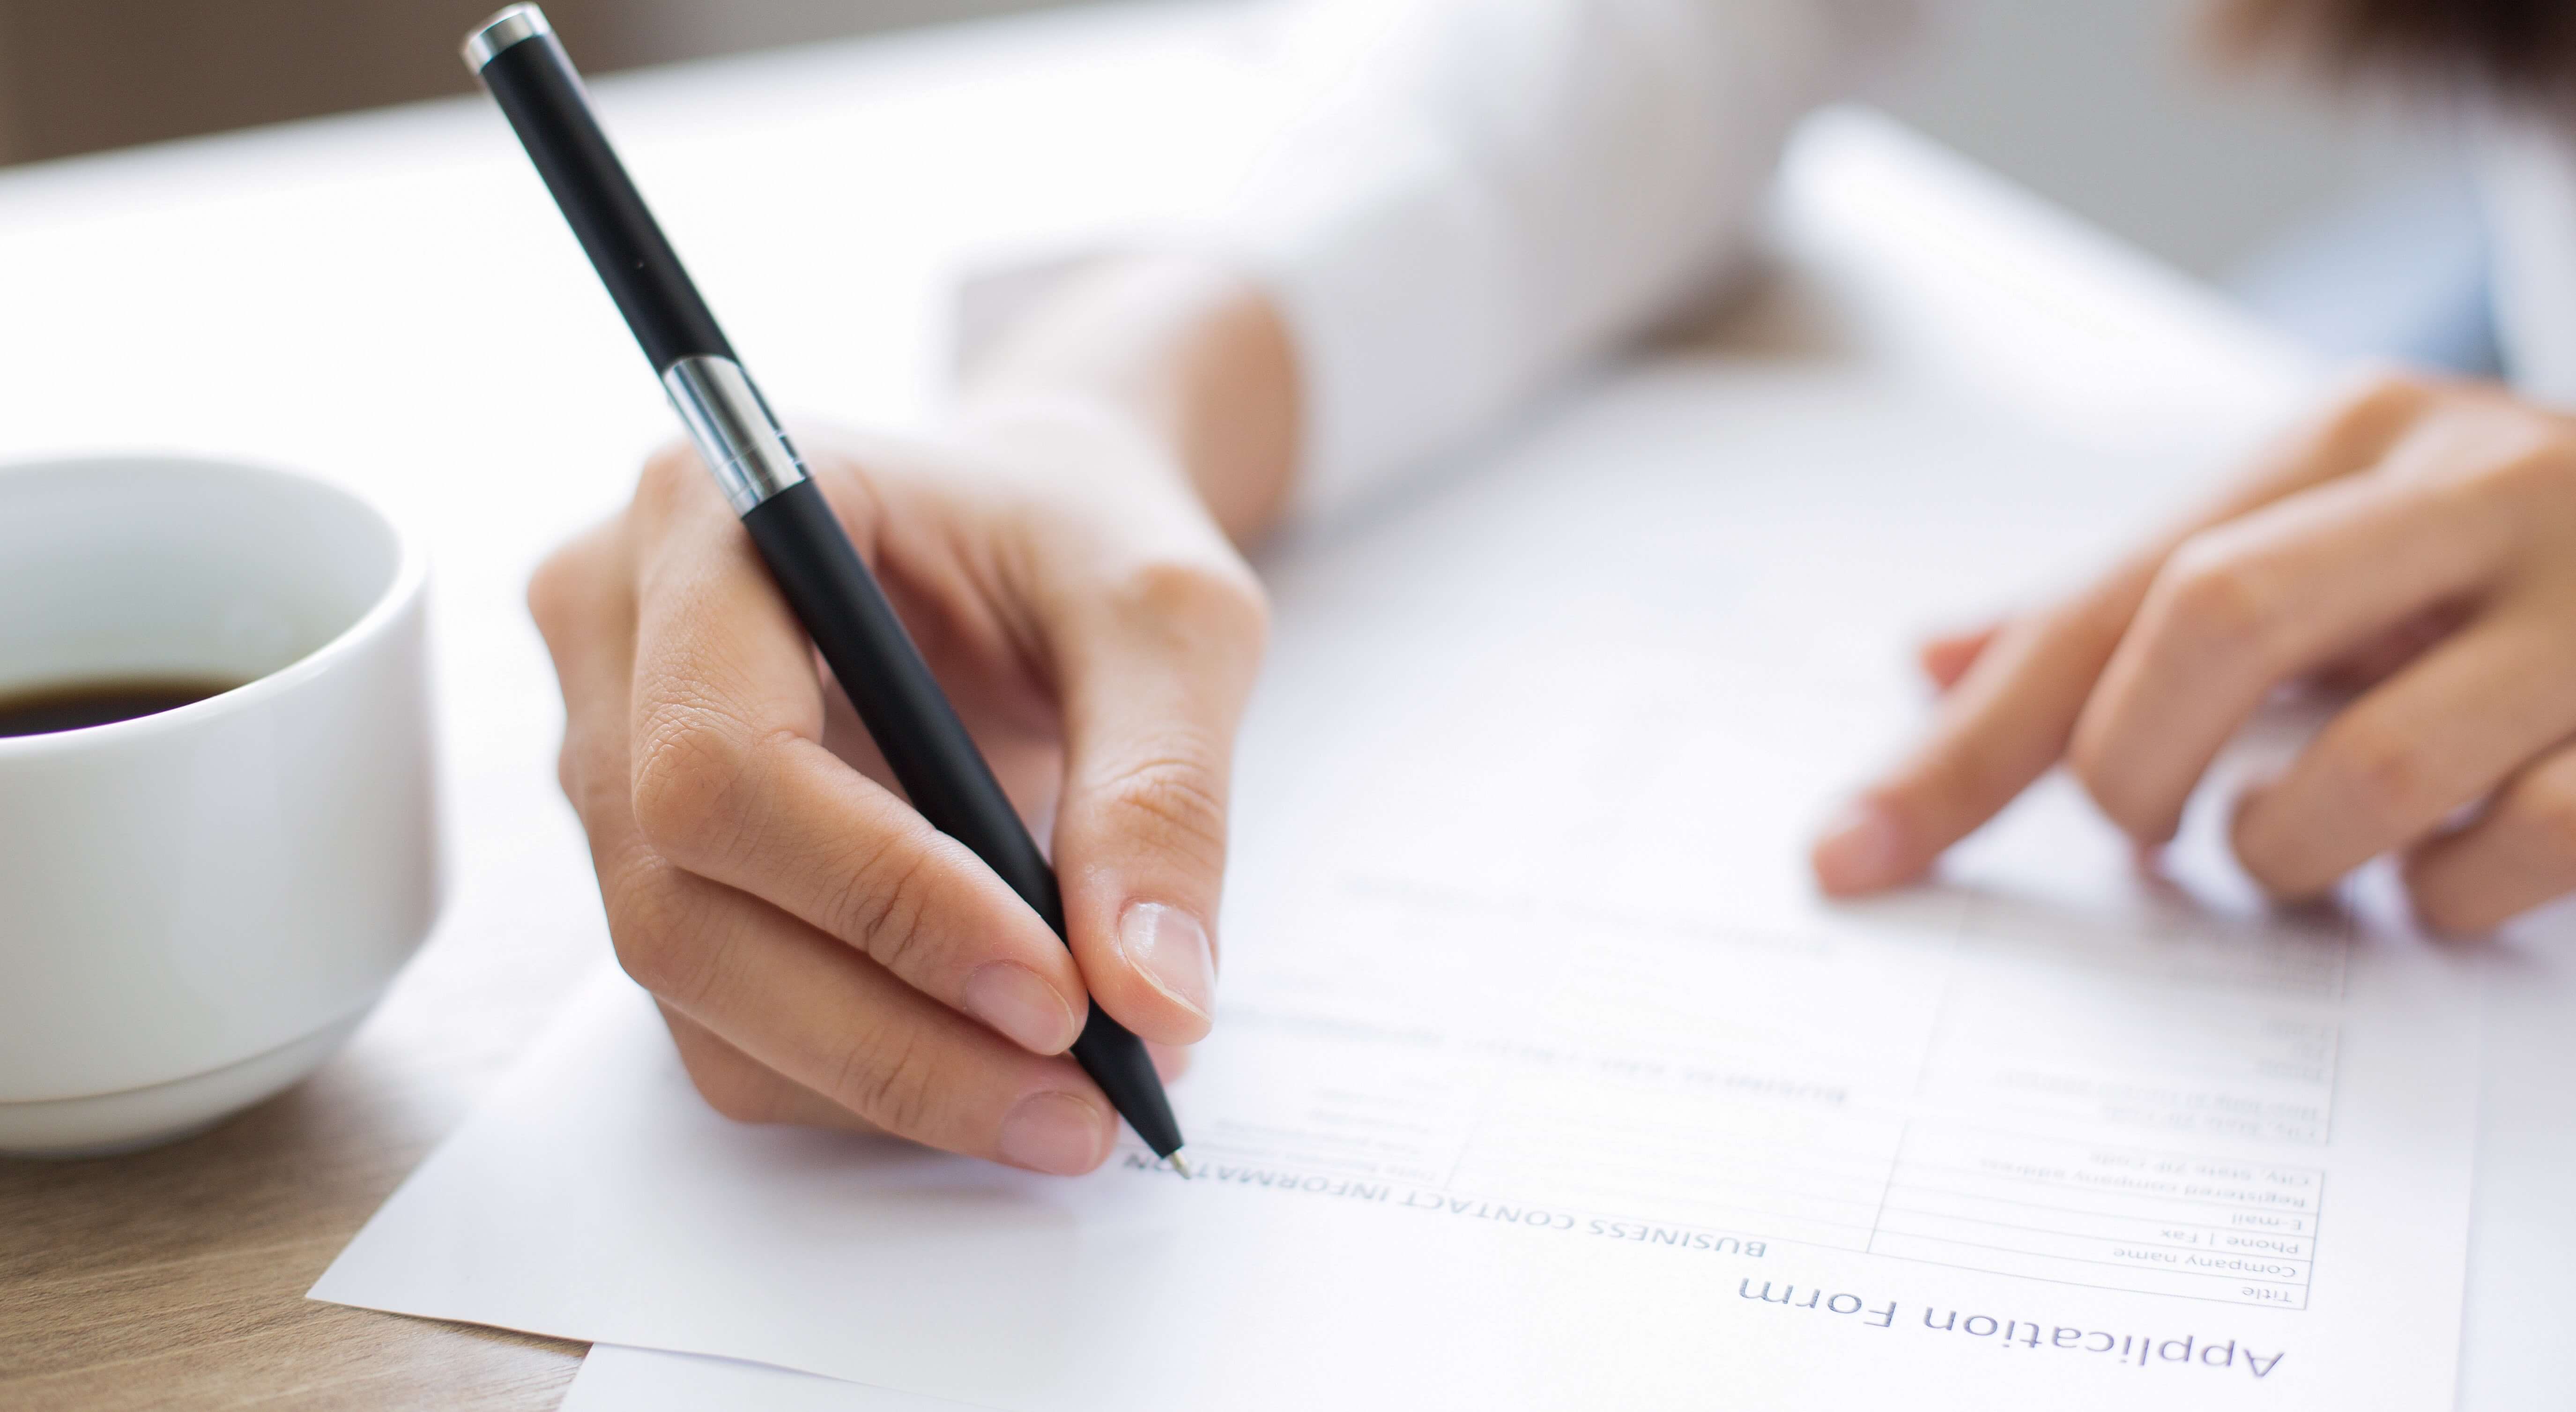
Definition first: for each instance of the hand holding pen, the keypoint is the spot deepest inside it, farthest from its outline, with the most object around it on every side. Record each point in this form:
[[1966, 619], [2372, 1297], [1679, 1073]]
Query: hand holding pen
[[826, 950]]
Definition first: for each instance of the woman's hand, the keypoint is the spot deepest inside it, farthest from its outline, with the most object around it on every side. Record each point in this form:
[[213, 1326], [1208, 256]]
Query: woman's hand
[[2417, 545], [821, 954]]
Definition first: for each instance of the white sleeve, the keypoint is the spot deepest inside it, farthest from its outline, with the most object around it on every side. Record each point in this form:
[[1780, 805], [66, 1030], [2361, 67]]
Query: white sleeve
[[1487, 193]]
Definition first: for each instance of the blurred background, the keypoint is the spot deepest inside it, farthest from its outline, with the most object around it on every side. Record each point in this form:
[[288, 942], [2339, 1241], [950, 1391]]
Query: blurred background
[[2102, 105]]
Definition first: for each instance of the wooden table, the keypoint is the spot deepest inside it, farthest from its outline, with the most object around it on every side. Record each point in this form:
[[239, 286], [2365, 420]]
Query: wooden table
[[177, 1276], [389, 299]]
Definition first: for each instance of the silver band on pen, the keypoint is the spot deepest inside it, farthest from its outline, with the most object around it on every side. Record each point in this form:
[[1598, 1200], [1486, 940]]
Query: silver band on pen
[[739, 439]]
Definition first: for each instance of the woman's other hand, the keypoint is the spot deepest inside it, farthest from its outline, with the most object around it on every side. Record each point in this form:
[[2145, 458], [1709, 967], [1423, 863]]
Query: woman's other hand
[[2416, 546]]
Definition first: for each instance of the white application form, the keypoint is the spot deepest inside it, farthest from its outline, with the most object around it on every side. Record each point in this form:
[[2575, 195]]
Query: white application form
[[1540, 1077]]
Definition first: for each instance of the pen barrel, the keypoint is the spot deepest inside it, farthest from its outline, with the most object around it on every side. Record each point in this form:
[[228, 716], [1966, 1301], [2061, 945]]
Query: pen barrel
[[914, 726], [881, 670], [539, 91], [809, 555]]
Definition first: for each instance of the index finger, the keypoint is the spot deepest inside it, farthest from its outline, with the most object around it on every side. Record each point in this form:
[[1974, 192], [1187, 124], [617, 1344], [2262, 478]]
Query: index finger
[[2011, 716], [733, 783], [775, 1021], [2000, 728]]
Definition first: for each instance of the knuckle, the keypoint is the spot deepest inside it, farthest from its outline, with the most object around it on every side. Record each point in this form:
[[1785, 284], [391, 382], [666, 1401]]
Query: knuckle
[[662, 941], [2386, 392], [883, 905], [2379, 403], [552, 589], [735, 1087], [2385, 772], [2544, 810], [1201, 603], [2255, 839], [2089, 760], [2211, 598], [691, 761], [734, 1098], [575, 587], [2268, 864], [653, 958], [595, 782], [1174, 799], [890, 1081], [670, 478], [2454, 918], [2143, 817], [2529, 462], [2447, 897]]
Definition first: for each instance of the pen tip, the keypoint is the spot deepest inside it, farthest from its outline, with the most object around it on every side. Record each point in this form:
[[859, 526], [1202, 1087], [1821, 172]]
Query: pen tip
[[1180, 1163]]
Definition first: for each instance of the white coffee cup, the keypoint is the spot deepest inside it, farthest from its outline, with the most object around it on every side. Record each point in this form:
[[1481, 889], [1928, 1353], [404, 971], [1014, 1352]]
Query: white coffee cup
[[198, 906]]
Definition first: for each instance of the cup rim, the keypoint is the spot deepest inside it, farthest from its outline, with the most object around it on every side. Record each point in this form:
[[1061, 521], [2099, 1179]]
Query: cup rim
[[410, 576]]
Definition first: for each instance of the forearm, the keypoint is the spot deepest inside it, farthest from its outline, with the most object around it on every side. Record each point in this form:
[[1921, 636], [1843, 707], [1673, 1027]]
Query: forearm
[[1425, 260], [1192, 351], [1486, 195]]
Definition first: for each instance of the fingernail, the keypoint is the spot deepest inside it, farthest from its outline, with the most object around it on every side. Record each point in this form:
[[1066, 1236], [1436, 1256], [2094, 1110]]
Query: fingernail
[[1863, 850], [1018, 1003], [1169, 948], [1054, 1132]]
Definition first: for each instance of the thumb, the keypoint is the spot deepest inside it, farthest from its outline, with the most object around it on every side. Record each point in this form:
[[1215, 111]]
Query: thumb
[[1152, 682]]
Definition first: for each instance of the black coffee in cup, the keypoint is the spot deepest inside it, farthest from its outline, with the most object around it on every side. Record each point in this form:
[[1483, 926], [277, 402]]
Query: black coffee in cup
[[69, 706]]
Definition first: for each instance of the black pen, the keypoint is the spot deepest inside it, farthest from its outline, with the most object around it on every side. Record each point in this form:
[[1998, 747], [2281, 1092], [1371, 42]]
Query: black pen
[[516, 55]]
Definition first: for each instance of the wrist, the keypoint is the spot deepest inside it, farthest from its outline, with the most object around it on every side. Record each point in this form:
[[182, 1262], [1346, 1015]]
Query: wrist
[[1185, 352], [1067, 431]]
